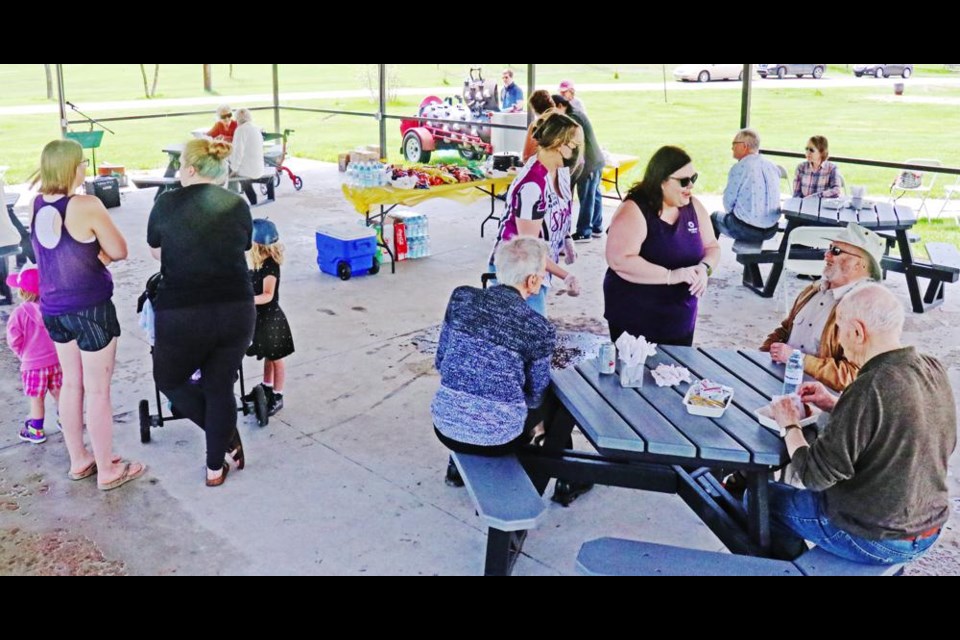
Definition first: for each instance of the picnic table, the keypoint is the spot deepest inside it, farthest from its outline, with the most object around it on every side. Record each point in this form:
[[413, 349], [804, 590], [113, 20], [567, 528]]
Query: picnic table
[[610, 176], [876, 216], [366, 199], [645, 439]]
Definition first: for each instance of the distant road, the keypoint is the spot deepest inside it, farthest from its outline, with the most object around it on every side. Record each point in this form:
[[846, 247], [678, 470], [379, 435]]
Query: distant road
[[263, 98]]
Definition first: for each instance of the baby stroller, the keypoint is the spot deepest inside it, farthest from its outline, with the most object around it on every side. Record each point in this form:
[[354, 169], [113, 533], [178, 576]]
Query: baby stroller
[[255, 403], [276, 161]]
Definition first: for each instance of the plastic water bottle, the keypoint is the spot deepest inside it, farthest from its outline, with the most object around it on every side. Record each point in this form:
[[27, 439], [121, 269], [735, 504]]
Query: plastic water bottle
[[793, 377]]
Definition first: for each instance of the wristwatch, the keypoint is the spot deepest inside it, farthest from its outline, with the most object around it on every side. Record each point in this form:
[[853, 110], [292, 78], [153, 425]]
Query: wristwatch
[[709, 269]]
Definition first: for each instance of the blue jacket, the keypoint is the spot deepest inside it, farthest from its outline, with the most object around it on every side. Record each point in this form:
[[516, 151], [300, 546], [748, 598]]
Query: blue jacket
[[494, 363]]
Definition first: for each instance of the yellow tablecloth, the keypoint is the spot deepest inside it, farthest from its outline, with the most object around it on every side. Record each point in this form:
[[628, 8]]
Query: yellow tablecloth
[[610, 174], [366, 198]]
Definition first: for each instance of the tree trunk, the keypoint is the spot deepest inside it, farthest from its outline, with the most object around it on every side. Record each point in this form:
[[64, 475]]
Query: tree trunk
[[156, 76], [49, 73], [231, 72], [208, 78], [146, 85]]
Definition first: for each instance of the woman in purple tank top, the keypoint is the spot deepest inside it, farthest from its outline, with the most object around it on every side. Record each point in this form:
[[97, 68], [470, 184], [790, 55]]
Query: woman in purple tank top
[[74, 239], [661, 249]]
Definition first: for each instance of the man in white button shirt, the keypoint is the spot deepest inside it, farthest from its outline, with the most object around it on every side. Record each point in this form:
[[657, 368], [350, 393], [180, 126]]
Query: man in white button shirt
[[852, 259], [751, 199]]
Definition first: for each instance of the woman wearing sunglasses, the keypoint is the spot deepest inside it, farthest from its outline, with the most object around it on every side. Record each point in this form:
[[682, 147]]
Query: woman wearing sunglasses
[[817, 175], [660, 249], [225, 125]]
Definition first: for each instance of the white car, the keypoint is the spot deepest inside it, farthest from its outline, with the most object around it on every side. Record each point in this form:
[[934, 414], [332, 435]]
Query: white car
[[708, 72]]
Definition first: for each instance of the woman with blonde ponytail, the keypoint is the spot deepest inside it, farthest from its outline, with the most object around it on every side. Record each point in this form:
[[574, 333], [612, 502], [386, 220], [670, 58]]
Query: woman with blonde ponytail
[[204, 307]]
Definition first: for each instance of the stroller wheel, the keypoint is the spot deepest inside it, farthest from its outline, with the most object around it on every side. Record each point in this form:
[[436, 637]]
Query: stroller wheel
[[276, 179], [260, 406], [263, 189], [297, 183], [144, 411]]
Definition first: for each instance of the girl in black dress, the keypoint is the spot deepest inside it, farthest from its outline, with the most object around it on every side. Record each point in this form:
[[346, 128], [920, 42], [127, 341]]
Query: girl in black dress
[[272, 340]]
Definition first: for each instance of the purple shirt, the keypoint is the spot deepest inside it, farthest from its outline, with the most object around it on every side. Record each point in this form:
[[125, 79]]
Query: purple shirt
[[72, 278], [662, 314], [532, 197]]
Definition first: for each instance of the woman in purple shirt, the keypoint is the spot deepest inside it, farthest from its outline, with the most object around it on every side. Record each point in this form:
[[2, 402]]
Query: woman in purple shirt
[[661, 249], [74, 239]]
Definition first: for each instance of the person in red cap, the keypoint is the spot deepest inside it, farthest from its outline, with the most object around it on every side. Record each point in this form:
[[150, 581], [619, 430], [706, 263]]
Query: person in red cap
[[568, 91], [39, 366]]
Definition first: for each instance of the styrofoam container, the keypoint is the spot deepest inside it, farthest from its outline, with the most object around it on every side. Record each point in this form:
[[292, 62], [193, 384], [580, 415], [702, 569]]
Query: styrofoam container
[[766, 418], [707, 412]]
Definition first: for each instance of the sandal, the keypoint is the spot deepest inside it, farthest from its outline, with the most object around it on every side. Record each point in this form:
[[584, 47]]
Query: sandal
[[125, 477], [235, 451], [219, 480], [90, 470]]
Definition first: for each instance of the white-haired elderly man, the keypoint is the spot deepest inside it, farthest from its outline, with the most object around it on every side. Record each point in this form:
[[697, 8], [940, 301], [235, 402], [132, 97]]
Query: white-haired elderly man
[[751, 199], [246, 160], [494, 361], [876, 478]]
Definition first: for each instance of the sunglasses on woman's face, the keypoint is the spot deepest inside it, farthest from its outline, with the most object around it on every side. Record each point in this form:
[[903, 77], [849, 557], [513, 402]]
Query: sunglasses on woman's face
[[811, 150], [686, 182], [226, 116]]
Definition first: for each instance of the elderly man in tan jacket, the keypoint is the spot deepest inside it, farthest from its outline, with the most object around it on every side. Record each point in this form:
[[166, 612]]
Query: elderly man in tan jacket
[[852, 260]]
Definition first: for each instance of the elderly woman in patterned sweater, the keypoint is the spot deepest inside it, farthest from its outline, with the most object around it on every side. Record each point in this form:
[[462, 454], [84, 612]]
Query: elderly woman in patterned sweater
[[494, 362]]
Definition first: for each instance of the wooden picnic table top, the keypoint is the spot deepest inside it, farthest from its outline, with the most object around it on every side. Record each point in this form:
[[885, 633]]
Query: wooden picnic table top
[[651, 424], [873, 215]]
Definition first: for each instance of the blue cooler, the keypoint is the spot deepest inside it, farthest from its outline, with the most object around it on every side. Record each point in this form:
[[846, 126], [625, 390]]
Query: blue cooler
[[347, 250]]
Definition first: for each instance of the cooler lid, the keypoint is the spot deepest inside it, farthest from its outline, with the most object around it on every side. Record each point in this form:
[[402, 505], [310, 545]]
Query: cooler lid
[[346, 231]]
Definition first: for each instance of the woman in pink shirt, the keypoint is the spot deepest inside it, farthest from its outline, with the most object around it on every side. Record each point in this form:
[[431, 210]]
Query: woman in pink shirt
[[29, 340]]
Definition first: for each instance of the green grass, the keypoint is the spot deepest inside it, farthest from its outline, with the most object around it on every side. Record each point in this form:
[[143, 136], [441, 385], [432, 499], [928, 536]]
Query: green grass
[[864, 121]]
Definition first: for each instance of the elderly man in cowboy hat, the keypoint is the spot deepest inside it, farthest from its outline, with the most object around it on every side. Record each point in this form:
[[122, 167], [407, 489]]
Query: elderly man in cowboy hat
[[852, 260]]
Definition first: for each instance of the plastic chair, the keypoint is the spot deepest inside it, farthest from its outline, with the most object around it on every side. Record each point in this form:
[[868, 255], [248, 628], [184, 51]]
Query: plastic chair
[[911, 181], [813, 238], [950, 191]]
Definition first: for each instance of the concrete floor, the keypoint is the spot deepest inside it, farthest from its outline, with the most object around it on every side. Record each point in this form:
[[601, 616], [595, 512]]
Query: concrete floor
[[348, 478]]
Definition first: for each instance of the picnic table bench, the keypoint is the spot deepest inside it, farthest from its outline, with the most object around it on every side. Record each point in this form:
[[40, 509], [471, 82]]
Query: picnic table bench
[[619, 557], [507, 503]]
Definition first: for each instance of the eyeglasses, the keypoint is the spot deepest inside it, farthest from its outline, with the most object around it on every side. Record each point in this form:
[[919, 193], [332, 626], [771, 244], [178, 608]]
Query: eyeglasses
[[84, 163], [811, 150], [226, 116], [686, 182], [836, 251]]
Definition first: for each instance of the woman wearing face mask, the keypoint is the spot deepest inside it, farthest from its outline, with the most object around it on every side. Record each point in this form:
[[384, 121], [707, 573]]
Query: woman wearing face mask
[[661, 249], [538, 202]]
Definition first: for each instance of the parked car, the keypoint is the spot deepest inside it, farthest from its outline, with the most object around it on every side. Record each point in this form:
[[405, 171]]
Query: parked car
[[783, 70], [708, 72], [883, 70]]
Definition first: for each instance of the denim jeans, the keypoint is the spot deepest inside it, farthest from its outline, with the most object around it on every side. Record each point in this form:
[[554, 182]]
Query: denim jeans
[[590, 218], [797, 515], [536, 302], [732, 227]]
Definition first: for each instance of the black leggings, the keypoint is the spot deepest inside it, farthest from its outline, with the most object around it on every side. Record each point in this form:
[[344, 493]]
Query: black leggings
[[212, 338]]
